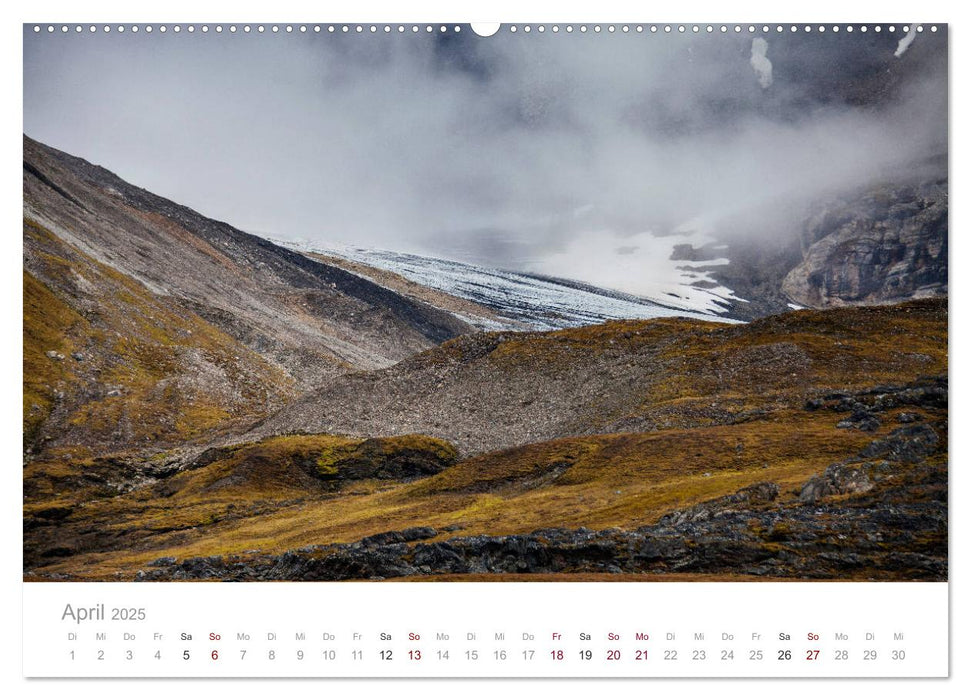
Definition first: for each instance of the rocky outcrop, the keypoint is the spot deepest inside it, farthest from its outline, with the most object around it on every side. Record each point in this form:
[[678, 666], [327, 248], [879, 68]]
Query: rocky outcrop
[[883, 457], [405, 457], [928, 392], [872, 244], [903, 446], [757, 494], [884, 246]]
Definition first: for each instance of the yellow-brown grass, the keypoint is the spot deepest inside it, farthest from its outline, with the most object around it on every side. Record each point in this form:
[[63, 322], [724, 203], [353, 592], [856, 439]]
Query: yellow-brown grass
[[598, 482]]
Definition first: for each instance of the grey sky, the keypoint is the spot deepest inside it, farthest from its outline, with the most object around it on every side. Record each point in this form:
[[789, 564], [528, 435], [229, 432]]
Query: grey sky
[[502, 149]]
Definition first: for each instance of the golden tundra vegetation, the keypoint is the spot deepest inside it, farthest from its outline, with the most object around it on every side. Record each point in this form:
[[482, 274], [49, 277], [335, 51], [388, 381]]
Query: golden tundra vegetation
[[290, 491]]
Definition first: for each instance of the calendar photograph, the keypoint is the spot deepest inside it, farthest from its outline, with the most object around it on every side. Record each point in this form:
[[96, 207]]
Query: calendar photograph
[[549, 303]]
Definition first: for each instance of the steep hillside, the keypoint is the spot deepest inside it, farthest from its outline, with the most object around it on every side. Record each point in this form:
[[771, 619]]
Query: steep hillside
[[146, 322], [495, 390], [109, 364]]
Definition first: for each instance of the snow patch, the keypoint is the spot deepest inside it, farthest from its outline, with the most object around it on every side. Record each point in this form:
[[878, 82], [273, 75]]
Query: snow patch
[[641, 266]]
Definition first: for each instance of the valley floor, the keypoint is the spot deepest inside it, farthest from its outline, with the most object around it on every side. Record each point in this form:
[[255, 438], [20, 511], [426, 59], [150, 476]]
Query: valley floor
[[788, 496]]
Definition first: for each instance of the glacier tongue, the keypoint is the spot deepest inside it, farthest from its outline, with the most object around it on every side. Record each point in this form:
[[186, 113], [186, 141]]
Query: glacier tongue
[[536, 301]]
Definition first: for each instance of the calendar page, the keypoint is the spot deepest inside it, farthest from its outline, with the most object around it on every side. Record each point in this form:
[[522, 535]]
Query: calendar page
[[521, 350]]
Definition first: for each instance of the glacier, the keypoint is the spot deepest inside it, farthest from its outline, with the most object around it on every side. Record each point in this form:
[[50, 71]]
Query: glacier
[[530, 301]]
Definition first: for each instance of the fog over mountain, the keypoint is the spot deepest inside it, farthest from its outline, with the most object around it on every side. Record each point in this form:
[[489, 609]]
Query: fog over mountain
[[552, 153]]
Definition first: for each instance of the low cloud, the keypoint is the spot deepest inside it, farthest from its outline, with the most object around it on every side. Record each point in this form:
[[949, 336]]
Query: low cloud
[[511, 150]]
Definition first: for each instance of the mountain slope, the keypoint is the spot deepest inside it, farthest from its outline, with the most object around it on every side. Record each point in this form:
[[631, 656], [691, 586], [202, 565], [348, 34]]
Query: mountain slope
[[496, 390], [171, 310], [109, 364]]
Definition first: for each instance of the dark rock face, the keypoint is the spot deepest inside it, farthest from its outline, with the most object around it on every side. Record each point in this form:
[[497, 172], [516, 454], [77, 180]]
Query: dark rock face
[[884, 246], [908, 444], [756, 494], [861, 419], [928, 392], [843, 478], [410, 534], [883, 457]]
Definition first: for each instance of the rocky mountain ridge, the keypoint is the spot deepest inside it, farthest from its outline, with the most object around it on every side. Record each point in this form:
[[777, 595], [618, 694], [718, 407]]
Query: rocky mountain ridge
[[163, 304]]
